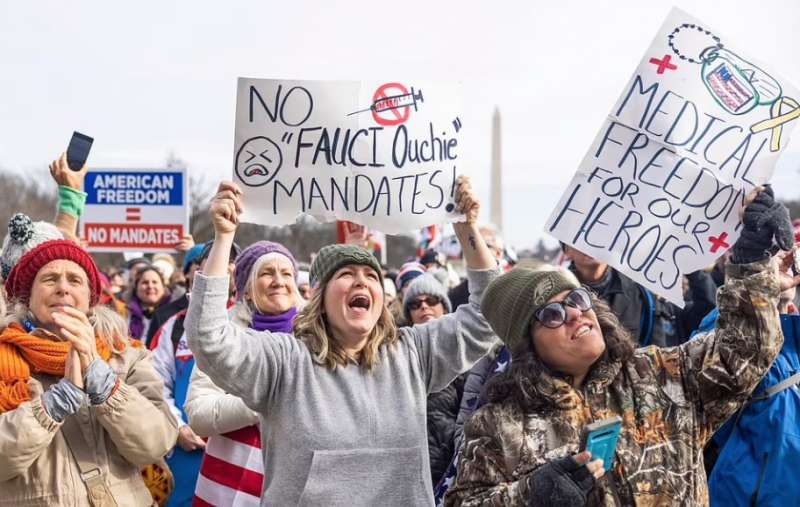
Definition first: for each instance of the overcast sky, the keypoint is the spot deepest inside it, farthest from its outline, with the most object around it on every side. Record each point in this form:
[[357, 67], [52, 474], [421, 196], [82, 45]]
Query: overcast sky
[[149, 78]]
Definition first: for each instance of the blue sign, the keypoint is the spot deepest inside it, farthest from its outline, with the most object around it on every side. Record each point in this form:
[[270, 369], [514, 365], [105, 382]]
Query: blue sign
[[129, 188]]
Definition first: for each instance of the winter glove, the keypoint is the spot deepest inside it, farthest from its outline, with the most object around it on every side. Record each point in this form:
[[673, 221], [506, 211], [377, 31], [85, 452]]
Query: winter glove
[[560, 482], [62, 399], [763, 219], [99, 380]]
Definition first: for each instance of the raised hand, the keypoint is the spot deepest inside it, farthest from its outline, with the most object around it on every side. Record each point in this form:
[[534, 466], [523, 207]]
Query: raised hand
[[763, 219], [225, 208], [63, 175], [466, 200]]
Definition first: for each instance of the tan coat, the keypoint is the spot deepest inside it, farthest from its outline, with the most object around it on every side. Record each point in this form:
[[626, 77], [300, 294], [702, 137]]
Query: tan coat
[[131, 429]]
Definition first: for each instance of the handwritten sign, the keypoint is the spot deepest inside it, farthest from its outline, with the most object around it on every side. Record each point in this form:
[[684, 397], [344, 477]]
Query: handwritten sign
[[385, 155], [696, 128], [135, 209]]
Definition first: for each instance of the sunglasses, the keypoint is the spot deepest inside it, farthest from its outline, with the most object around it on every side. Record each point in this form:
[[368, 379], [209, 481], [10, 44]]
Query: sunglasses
[[428, 300], [553, 315]]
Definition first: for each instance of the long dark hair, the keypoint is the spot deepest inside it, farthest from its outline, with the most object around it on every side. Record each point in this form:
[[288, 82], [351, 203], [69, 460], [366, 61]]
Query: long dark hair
[[528, 379]]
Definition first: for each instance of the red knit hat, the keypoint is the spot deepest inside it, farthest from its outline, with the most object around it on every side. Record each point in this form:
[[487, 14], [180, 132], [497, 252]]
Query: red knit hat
[[20, 279]]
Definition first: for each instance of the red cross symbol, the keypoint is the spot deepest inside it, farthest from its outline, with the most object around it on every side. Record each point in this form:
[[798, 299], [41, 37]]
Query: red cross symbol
[[663, 64], [718, 242]]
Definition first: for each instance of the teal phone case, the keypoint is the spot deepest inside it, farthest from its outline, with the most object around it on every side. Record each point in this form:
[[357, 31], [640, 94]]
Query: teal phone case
[[601, 440]]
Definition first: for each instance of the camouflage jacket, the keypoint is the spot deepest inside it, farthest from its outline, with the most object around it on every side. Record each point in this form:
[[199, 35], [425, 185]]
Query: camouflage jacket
[[671, 401]]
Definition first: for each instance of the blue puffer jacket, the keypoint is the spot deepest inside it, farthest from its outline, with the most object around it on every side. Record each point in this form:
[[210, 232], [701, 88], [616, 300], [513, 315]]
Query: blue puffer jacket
[[760, 453]]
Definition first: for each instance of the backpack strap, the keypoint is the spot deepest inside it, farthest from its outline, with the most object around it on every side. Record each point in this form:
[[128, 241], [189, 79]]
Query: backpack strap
[[91, 473], [768, 393], [777, 388], [177, 330], [648, 316]]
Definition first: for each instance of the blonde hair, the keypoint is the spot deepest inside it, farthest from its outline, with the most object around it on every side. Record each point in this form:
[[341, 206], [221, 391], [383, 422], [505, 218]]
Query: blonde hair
[[311, 327], [110, 327]]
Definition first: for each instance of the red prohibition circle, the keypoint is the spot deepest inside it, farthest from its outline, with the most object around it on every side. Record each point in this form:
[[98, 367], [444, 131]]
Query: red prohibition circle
[[394, 116]]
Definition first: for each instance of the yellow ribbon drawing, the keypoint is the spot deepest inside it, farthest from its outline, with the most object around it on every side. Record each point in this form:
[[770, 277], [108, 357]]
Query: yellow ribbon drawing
[[775, 123]]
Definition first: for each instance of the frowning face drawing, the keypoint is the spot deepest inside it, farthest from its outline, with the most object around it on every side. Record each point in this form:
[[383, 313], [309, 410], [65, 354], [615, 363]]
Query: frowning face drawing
[[258, 161]]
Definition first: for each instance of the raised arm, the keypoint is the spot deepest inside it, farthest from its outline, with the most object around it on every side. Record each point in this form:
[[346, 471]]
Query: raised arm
[[719, 370], [71, 197], [243, 362], [450, 345], [476, 254]]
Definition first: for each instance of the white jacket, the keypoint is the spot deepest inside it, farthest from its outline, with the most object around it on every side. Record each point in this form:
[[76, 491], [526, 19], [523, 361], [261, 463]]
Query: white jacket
[[212, 411]]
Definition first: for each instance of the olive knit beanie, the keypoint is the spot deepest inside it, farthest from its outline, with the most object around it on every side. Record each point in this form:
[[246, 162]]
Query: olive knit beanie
[[511, 300], [333, 257]]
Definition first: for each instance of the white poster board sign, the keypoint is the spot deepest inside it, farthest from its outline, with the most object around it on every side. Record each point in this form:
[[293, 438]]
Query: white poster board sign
[[383, 154], [146, 210], [698, 125]]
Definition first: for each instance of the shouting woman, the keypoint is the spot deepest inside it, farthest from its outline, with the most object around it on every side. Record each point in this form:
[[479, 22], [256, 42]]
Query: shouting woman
[[342, 400]]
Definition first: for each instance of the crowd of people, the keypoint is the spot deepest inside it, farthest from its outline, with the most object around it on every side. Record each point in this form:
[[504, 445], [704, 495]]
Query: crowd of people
[[240, 375]]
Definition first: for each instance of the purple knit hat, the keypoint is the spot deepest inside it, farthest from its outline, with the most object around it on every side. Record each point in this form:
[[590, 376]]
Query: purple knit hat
[[249, 256]]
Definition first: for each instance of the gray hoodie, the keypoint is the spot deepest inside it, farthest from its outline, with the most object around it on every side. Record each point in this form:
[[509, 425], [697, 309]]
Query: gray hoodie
[[344, 436]]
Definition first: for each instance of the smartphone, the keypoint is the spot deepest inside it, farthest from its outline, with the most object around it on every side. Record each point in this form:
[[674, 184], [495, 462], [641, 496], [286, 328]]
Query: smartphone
[[600, 438], [78, 150]]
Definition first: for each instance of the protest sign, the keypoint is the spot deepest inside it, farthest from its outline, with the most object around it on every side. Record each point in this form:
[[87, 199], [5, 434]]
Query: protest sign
[[135, 209], [384, 155], [696, 128]]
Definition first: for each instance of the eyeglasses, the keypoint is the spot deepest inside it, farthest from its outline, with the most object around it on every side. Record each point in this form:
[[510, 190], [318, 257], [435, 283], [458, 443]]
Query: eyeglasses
[[553, 315], [428, 300]]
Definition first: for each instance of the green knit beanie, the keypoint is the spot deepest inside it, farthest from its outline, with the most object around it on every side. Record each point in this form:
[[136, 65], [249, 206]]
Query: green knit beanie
[[333, 257], [511, 300]]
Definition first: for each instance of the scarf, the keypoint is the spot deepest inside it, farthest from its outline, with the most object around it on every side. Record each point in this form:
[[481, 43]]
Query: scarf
[[22, 354], [137, 315], [276, 323]]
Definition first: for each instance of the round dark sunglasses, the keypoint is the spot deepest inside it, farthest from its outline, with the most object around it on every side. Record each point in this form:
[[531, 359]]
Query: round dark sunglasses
[[428, 300], [553, 315]]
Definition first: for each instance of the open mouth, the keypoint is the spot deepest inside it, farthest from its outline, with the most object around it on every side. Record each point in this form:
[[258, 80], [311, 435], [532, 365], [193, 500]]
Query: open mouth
[[582, 331], [359, 301]]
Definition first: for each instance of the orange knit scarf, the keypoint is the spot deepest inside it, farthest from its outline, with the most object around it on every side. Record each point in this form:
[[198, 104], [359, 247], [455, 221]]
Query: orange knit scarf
[[22, 354]]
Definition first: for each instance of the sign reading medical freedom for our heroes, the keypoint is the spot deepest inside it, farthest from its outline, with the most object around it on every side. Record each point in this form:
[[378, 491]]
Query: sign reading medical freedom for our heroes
[[381, 154], [146, 210], [699, 124]]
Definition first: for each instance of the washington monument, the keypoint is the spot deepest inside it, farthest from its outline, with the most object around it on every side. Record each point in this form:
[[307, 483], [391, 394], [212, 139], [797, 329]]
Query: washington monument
[[496, 190]]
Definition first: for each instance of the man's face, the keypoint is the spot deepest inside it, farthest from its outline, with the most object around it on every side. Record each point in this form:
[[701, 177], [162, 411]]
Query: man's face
[[580, 259]]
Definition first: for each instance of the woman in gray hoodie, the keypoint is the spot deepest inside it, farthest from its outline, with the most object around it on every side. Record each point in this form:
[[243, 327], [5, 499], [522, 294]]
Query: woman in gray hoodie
[[342, 400]]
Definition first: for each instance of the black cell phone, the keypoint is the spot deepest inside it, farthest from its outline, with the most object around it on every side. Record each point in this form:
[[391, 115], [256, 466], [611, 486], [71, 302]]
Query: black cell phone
[[78, 150]]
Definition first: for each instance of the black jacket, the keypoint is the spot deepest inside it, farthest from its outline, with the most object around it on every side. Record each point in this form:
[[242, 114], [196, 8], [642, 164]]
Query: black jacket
[[163, 313], [443, 408]]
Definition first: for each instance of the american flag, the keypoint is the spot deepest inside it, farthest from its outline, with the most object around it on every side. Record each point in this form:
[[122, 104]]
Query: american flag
[[729, 87]]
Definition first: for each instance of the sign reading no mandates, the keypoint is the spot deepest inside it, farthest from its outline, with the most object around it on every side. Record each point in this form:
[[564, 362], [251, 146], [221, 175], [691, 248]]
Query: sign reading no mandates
[[135, 209]]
